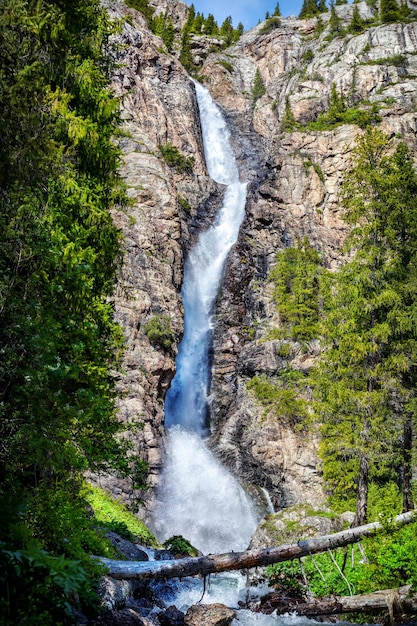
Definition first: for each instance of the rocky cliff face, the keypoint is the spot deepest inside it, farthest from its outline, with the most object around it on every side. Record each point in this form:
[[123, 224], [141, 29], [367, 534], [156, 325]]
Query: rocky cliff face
[[294, 179]]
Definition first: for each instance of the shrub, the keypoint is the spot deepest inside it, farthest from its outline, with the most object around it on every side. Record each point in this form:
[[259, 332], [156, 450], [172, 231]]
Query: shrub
[[227, 66], [159, 333], [184, 204], [307, 56], [270, 25], [179, 545], [173, 157]]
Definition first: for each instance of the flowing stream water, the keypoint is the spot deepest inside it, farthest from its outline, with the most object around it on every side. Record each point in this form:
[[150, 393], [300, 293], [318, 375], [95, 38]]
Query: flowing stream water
[[199, 499]]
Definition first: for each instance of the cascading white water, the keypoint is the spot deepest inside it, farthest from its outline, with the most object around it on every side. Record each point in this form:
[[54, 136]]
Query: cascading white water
[[199, 499], [186, 401]]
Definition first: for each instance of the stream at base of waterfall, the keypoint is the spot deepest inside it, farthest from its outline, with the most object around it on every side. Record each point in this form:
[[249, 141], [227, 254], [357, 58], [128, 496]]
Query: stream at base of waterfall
[[198, 498]]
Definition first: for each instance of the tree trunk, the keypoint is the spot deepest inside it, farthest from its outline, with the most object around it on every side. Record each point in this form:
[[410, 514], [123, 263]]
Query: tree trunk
[[391, 600], [204, 565], [408, 504], [362, 492]]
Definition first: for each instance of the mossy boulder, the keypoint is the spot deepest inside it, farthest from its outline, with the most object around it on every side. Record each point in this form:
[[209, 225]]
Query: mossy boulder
[[298, 522]]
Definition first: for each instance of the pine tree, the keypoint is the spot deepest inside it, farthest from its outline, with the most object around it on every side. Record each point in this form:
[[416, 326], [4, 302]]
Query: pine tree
[[258, 87], [168, 34], [335, 23], [356, 24], [366, 382], [389, 11], [198, 24], [188, 26], [186, 57], [308, 9], [296, 278], [288, 122], [277, 11], [227, 31], [210, 25]]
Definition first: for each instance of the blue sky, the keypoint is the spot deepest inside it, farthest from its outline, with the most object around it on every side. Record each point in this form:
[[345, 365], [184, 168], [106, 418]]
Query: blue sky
[[246, 11]]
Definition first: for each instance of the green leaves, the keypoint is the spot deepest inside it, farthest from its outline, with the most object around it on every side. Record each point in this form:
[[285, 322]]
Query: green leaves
[[296, 278]]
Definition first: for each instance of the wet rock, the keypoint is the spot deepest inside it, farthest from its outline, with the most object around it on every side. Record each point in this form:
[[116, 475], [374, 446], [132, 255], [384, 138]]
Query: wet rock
[[125, 617], [126, 548], [209, 615], [171, 617]]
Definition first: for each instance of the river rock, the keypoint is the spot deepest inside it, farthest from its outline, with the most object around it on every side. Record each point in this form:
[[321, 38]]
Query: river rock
[[125, 548], [209, 615], [171, 617]]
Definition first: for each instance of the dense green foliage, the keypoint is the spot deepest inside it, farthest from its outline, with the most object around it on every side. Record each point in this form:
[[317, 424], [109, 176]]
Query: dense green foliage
[[368, 410], [179, 545], [311, 8], [364, 386], [158, 331], [175, 159], [116, 516], [60, 252], [282, 395], [297, 286]]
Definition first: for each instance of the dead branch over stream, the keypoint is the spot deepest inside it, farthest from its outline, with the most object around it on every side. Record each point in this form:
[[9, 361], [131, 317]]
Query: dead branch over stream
[[394, 601], [214, 563]]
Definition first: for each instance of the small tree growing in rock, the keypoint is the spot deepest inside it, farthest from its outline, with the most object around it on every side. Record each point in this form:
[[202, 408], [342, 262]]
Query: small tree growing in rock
[[258, 86], [389, 11]]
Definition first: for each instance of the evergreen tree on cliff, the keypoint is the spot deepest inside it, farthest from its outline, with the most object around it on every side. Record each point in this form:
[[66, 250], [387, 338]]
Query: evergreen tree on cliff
[[366, 382], [311, 8], [389, 11]]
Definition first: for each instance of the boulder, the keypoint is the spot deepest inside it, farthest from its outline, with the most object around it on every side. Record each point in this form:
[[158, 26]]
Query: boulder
[[209, 615]]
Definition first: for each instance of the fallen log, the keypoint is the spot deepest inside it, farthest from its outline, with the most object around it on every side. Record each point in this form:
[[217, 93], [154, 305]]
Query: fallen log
[[214, 563], [392, 600]]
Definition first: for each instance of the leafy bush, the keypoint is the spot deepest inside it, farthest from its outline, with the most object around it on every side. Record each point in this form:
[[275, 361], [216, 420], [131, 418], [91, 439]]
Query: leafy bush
[[281, 395], [179, 545], [37, 588], [159, 333], [175, 159], [270, 25]]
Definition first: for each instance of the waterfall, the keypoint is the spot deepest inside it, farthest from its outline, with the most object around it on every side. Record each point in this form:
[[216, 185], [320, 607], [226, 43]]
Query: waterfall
[[199, 498]]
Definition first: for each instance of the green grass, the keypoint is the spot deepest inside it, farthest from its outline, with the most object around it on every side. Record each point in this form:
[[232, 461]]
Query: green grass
[[116, 516]]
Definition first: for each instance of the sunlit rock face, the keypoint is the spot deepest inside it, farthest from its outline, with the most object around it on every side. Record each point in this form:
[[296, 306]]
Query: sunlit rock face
[[293, 191]]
